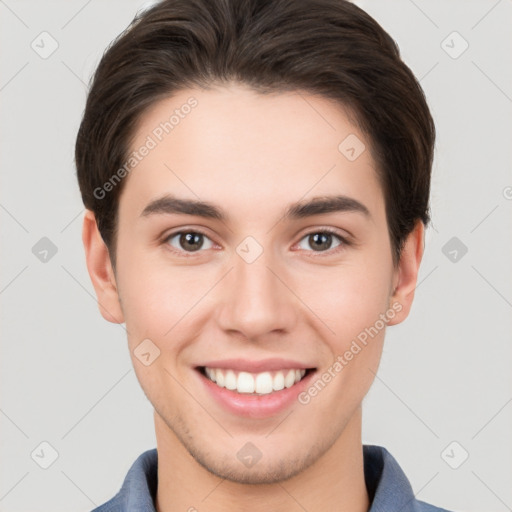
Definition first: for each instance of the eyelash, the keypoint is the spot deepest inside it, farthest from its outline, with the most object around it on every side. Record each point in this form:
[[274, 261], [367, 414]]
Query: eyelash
[[343, 242]]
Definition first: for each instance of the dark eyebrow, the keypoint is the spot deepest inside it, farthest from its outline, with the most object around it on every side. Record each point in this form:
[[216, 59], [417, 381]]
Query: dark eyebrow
[[316, 206], [325, 204], [169, 205]]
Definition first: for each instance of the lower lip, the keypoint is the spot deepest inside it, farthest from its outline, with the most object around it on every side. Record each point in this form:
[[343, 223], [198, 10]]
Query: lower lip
[[256, 406]]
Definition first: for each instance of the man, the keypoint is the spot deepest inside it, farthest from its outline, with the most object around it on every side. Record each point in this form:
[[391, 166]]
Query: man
[[256, 176]]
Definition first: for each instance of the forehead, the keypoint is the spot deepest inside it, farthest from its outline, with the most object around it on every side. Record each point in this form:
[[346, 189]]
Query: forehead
[[231, 145]]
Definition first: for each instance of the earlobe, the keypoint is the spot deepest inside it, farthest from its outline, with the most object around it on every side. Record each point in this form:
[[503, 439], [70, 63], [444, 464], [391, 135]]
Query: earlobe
[[407, 274], [100, 270]]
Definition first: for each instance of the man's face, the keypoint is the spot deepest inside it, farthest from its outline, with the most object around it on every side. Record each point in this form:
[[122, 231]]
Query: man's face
[[257, 292]]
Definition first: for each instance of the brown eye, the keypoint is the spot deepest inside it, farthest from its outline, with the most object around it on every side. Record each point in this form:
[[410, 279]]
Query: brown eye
[[188, 241], [322, 241]]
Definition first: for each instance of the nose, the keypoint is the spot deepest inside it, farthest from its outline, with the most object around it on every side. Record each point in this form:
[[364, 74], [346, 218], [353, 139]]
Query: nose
[[257, 300]]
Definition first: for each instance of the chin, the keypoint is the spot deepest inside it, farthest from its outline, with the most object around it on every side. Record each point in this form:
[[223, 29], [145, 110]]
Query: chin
[[280, 468], [260, 474]]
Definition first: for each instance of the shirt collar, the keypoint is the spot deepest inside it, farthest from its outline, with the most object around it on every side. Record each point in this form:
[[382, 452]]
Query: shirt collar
[[388, 487]]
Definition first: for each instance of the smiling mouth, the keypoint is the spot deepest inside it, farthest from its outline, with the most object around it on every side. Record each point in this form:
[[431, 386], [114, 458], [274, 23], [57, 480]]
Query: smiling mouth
[[262, 383]]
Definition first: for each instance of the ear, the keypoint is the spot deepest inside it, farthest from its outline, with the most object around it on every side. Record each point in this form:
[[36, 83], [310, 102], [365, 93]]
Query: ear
[[406, 275], [101, 271]]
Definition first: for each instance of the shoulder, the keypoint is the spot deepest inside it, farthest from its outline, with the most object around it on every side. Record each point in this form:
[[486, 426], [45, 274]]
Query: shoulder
[[139, 487], [388, 487], [426, 507], [113, 505]]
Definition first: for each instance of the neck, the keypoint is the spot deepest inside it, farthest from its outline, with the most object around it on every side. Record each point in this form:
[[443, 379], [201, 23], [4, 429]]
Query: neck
[[334, 482]]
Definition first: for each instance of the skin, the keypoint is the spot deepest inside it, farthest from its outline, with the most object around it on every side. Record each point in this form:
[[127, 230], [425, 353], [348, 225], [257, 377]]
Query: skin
[[253, 155]]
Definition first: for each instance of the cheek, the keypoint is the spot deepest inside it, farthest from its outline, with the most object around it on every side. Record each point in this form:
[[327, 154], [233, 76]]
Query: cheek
[[160, 304], [350, 299], [355, 307], [157, 298]]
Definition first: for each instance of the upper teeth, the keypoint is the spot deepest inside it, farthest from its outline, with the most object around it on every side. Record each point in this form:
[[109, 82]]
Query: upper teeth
[[261, 383]]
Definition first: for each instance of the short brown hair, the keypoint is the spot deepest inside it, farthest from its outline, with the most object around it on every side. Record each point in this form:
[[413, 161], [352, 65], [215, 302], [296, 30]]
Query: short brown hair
[[326, 47]]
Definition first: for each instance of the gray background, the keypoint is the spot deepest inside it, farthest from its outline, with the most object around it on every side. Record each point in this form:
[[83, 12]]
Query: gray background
[[66, 375]]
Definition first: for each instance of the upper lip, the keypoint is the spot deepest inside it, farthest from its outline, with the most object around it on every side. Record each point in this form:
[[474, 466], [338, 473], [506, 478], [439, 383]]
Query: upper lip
[[245, 365]]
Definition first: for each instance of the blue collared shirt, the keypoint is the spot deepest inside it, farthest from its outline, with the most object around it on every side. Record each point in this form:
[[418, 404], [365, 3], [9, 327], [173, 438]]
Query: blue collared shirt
[[388, 488]]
